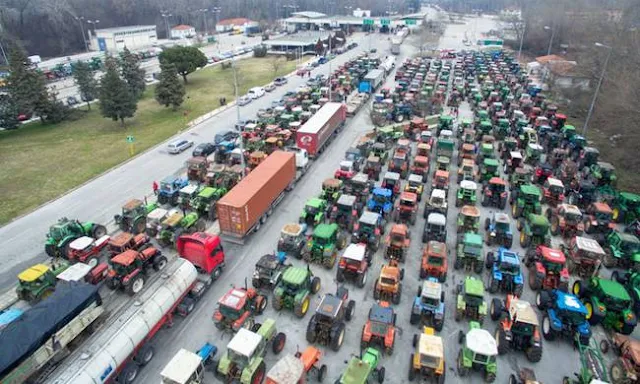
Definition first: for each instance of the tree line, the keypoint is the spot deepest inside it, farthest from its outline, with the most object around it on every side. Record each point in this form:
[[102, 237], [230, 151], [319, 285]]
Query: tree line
[[55, 27], [119, 89]]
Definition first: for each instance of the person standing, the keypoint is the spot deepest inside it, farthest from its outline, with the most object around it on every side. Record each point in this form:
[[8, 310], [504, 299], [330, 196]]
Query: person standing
[[155, 187]]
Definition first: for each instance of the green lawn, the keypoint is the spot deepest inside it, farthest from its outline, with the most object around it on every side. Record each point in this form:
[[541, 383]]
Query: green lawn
[[41, 162]]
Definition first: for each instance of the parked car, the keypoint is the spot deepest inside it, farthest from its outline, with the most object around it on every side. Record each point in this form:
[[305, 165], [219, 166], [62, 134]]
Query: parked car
[[178, 146], [203, 149], [270, 87], [72, 100], [227, 135], [244, 100], [256, 92], [280, 81], [239, 126]]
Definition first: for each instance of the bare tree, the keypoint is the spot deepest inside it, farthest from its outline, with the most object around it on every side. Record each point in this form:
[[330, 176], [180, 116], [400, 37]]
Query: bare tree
[[276, 63]]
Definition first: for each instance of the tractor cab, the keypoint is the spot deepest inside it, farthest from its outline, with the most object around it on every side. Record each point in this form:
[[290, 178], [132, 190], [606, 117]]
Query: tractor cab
[[38, 282], [186, 194], [169, 189], [479, 352], [345, 211], [553, 191], [134, 216], [440, 180], [373, 167], [426, 137], [415, 184], [468, 219], [359, 186], [589, 156], [391, 181], [489, 170], [495, 193], [423, 149], [346, 170], [197, 168], [467, 193], [331, 189], [514, 161], [533, 153]]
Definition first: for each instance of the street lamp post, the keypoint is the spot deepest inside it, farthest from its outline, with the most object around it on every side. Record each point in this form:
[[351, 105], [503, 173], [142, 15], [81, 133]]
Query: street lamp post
[[524, 29], [166, 17], [236, 87], [595, 95], [216, 11], [93, 23], [204, 20], [553, 34], [84, 38]]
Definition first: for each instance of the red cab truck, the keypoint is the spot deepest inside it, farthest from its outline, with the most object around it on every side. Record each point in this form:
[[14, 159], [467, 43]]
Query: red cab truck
[[317, 132], [246, 207]]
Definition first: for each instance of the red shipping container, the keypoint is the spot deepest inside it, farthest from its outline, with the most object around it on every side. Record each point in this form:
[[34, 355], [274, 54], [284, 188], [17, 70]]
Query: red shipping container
[[241, 208]]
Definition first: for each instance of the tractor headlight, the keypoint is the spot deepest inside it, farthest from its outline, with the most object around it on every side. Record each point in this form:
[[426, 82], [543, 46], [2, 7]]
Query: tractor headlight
[[493, 234]]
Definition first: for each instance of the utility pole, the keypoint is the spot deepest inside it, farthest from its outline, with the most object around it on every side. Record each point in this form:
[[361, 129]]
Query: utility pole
[[204, 20], [84, 38], [236, 87], [524, 29], [595, 95], [4, 54], [329, 77], [166, 16]]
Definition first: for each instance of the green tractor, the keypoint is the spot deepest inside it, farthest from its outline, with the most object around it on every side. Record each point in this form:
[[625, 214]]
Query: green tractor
[[323, 247], [243, 362], [445, 122], [479, 352], [134, 216], [364, 369], [295, 289], [489, 170], [608, 303], [314, 212], [534, 230], [525, 200], [626, 207], [470, 301], [622, 251], [205, 201], [467, 193], [62, 233], [38, 282], [469, 252], [177, 224], [631, 281]]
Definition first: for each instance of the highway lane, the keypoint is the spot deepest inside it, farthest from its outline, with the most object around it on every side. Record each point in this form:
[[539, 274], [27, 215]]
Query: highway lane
[[22, 240]]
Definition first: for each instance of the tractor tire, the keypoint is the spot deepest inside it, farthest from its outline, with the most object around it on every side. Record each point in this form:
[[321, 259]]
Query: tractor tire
[[311, 334], [501, 205], [258, 374], [477, 266], [350, 310], [200, 226], [412, 372], [533, 354], [337, 336], [159, 263], [92, 261], [315, 285], [277, 304], [462, 370], [322, 373], [543, 299], [212, 212], [494, 285], [261, 304], [555, 226], [99, 230], [487, 223], [330, 262], [496, 309], [489, 377], [489, 260], [535, 283], [376, 291], [139, 225], [340, 275], [609, 260], [381, 375], [300, 309], [524, 240], [398, 295], [277, 345], [547, 332], [135, 285], [594, 315], [362, 280], [50, 250], [578, 289], [508, 242], [501, 341]]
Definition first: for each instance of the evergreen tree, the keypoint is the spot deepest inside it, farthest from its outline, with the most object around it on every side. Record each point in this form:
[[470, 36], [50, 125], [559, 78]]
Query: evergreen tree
[[132, 73], [8, 112], [169, 90], [116, 100], [87, 84], [26, 86], [186, 59], [54, 110]]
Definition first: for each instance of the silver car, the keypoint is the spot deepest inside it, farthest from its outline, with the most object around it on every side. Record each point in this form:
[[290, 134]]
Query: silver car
[[178, 146]]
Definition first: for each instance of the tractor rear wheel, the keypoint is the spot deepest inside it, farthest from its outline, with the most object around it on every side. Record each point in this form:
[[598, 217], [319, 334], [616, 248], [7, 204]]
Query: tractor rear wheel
[[135, 285], [362, 280], [278, 343], [139, 225], [98, 231], [200, 225], [258, 374], [534, 353], [501, 341], [315, 285], [311, 334], [337, 336], [350, 310], [300, 309], [322, 373], [618, 371], [261, 303], [212, 212], [462, 370], [277, 303], [159, 263]]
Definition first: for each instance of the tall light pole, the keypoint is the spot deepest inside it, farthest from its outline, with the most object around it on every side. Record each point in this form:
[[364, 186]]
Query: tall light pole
[[524, 29], [348, 9], [84, 38], [553, 34], [94, 24], [166, 16], [236, 87], [204, 19], [216, 11], [4, 54], [595, 95], [329, 66]]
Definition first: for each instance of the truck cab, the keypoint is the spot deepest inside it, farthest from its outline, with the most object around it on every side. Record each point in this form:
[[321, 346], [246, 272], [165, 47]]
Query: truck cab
[[203, 250]]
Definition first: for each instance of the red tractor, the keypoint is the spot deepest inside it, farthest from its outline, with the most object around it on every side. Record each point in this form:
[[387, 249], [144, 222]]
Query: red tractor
[[407, 208], [346, 171], [380, 328], [87, 250], [420, 166], [434, 261], [399, 163], [237, 308], [354, 264], [547, 269], [397, 243], [129, 269], [598, 218], [125, 241], [566, 220], [552, 191]]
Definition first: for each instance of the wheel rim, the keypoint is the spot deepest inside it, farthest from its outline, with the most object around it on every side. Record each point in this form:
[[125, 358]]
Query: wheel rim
[[589, 308], [341, 337], [137, 285], [162, 264], [305, 306], [615, 214], [576, 289], [616, 373], [92, 262], [546, 326], [132, 374], [522, 238]]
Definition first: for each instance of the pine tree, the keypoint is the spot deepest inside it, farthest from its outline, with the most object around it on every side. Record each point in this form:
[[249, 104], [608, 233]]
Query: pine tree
[[131, 73], [169, 90], [116, 100], [186, 59], [26, 86], [87, 84], [8, 112]]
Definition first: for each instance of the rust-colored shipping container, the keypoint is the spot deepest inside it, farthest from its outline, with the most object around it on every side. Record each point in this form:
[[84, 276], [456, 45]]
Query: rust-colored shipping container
[[240, 210]]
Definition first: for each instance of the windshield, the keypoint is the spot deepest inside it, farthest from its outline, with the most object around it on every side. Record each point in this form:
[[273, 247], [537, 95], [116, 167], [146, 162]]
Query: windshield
[[56, 232], [387, 281], [572, 217], [320, 241], [378, 328], [311, 210], [512, 269], [240, 361], [167, 187], [429, 361], [430, 301], [473, 301], [552, 267], [395, 238], [630, 246], [573, 318], [398, 161], [437, 261], [380, 199], [407, 203], [603, 216], [228, 312], [482, 359], [119, 269], [345, 168], [289, 288]]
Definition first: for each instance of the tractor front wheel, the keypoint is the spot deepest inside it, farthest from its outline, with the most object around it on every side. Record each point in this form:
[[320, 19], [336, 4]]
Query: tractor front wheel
[[462, 370], [139, 225], [99, 230], [135, 285]]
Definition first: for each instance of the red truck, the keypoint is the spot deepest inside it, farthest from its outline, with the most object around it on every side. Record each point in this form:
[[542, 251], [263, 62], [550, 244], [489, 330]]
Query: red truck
[[248, 204], [204, 251], [317, 132]]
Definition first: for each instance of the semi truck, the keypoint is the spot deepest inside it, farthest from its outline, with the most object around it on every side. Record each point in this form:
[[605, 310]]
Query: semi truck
[[318, 131], [395, 45], [44, 332], [118, 351], [247, 205], [302, 160], [372, 81]]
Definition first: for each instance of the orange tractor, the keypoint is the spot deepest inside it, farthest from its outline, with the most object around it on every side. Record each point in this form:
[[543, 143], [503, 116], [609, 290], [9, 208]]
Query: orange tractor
[[236, 309], [298, 368], [434, 261], [397, 243], [407, 208], [389, 285], [380, 328]]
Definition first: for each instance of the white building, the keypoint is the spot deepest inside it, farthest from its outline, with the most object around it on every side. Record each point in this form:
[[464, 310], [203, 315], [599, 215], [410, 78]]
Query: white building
[[116, 39], [240, 24], [182, 31], [361, 12]]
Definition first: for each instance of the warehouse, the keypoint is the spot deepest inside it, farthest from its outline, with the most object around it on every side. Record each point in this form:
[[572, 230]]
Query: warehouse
[[132, 37], [300, 42]]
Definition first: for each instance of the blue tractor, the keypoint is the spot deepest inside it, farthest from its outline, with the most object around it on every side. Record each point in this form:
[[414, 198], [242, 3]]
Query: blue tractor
[[170, 188], [223, 151], [428, 305], [504, 272], [380, 202], [564, 315]]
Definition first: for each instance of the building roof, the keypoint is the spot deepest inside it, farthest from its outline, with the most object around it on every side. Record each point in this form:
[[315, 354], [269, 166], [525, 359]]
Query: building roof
[[181, 27], [235, 21], [122, 29], [309, 14], [549, 58]]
